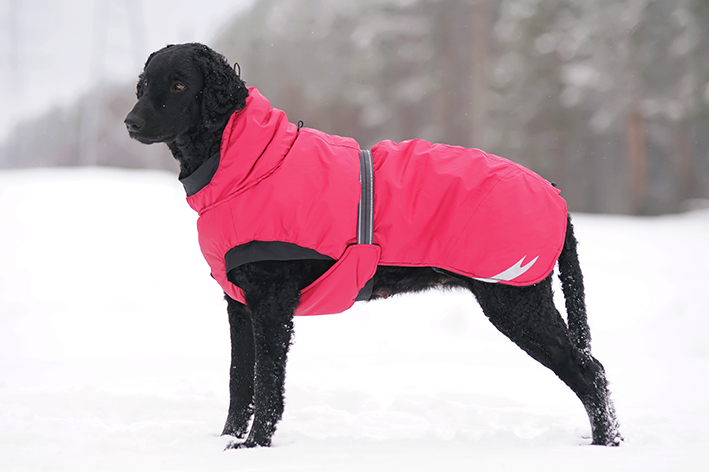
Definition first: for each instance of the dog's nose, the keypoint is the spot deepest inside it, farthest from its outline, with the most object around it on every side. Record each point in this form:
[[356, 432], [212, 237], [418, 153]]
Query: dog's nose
[[133, 122]]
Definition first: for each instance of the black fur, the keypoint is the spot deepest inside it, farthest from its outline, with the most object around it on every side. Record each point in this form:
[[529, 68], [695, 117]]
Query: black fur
[[186, 95]]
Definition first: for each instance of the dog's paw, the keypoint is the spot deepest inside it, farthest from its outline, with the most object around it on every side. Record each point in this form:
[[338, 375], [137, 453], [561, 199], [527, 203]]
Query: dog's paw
[[613, 439], [237, 432], [237, 424], [248, 444], [616, 440], [239, 445], [251, 442]]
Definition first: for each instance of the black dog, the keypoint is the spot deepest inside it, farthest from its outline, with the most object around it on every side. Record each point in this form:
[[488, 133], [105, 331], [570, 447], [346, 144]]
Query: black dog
[[186, 95]]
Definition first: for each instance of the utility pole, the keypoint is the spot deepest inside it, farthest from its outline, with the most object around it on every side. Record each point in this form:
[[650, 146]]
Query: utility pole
[[91, 110], [11, 70], [13, 31], [137, 31], [104, 20]]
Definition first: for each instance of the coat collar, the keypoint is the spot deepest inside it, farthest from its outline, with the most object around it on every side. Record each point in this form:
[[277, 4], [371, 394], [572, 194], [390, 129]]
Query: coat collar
[[255, 142]]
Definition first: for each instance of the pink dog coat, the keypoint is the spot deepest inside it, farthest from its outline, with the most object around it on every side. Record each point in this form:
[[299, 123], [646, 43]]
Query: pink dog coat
[[276, 192]]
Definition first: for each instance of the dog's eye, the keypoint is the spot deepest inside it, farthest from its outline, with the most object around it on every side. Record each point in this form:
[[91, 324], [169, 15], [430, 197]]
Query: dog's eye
[[178, 87]]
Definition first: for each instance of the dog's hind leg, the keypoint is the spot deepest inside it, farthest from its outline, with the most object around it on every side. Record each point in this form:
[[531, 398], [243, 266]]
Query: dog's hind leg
[[528, 317], [241, 374]]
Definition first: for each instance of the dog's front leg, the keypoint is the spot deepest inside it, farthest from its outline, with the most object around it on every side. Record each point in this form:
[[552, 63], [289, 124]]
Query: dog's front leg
[[241, 374], [272, 308]]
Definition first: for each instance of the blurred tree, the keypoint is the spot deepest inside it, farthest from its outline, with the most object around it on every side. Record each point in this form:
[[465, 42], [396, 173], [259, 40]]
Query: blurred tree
[[609, 98], [372, 69], [613, 90], [55, 138]]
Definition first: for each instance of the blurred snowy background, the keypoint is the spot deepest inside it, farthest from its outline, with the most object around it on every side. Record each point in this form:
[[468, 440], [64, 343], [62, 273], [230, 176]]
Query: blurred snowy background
[[54, 52], [608, 98], [68, 70]]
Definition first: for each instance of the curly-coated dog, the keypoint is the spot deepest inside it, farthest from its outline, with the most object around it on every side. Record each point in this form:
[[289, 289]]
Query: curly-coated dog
[[296, 222]]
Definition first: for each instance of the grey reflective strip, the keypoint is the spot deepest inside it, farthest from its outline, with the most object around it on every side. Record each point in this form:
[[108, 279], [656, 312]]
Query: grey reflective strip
[[365, 225]]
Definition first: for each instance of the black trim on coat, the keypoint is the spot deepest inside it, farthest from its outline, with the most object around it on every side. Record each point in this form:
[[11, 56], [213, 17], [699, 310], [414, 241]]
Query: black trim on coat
[[201, 177], [366, 292], [256, 251]]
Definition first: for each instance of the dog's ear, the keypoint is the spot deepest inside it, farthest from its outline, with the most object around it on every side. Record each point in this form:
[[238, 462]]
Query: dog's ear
[[224, 92]]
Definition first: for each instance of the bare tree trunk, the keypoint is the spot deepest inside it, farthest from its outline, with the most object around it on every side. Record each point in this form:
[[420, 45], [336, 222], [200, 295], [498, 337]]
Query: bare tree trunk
[[637, 152], [683, 179], [447, 95], [479, 72]]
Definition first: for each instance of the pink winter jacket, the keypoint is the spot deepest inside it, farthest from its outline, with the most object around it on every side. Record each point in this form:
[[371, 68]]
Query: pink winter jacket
[[276, 192]]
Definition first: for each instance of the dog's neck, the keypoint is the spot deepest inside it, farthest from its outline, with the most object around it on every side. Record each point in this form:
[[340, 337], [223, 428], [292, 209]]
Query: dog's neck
[[193, 148]]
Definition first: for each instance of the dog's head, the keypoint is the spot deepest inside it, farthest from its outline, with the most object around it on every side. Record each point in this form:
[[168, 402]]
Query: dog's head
[[184, 88]]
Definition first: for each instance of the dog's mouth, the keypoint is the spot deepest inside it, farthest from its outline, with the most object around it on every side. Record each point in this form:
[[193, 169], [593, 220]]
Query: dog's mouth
[[141, 139], [148, 139], [139, 130]]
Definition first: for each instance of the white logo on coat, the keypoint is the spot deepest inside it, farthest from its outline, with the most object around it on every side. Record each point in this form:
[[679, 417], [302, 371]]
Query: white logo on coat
[[512, 273]]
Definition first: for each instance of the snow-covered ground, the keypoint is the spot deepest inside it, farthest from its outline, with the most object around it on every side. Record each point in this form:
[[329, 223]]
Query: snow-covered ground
[[114, 351]]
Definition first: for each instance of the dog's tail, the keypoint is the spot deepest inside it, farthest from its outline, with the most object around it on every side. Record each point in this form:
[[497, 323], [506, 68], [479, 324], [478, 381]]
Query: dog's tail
[[572, 286]]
